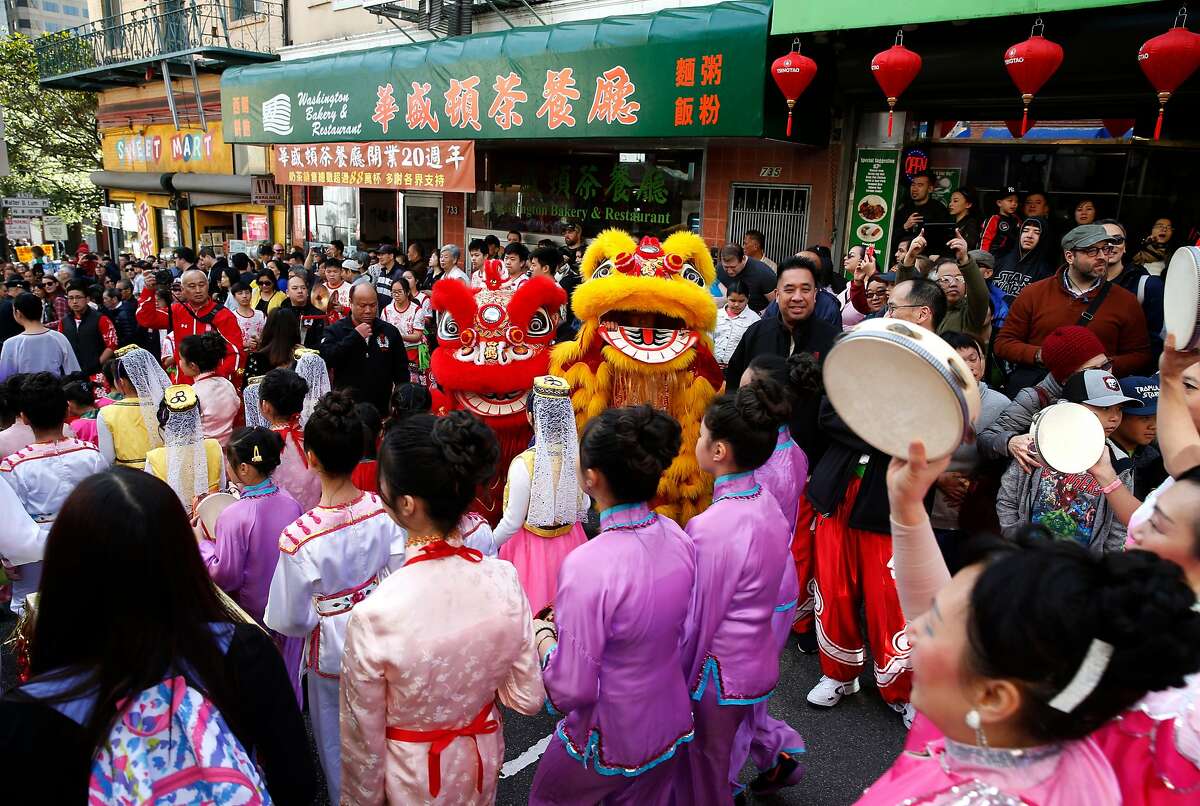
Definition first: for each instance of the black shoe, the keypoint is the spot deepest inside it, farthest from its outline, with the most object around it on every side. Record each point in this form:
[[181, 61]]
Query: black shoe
[[785, 773], [806, 642]]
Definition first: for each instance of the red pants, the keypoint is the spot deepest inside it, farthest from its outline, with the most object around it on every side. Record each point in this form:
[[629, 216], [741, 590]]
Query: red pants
[[802, 555], [853, 569]]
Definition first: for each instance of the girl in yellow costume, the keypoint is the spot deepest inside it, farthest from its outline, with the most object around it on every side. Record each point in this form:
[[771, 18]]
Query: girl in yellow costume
[[189, 463], [128, 428], [646, 313]]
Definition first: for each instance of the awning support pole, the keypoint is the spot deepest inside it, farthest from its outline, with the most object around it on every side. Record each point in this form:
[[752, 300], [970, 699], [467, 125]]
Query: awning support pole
[[196, 89], [166, 73]]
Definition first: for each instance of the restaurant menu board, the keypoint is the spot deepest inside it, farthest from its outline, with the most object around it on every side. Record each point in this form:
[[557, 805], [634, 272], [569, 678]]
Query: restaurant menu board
[[876, 177]]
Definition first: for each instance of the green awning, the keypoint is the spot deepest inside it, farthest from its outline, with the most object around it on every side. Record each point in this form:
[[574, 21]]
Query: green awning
[[694, 72], [808, 16]]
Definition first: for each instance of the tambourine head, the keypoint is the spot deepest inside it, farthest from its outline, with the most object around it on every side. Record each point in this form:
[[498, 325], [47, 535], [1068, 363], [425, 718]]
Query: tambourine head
[[1068, 437], [894, 383], [1181, 298]]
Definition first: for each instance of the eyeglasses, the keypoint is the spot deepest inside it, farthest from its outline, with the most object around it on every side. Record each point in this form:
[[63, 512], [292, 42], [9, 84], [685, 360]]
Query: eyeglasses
[[892, 307], [1094, 251], [953, 279], [876, 294], [1117, 240]]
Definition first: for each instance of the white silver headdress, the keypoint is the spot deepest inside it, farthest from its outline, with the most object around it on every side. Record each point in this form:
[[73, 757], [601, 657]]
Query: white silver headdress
[[183, 436], [555, 497], [311, 367], [251, 398], [150, 381]]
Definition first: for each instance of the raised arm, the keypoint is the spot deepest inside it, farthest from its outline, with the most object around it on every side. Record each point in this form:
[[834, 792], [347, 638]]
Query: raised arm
[[1177, 435], [920, 569]]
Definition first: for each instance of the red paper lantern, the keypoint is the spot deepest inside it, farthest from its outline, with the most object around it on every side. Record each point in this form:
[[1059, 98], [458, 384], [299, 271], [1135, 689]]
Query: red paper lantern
[[1116, 127], [894, 69], [1019, 128], [1168, 60], [1030, 65], [793, 73]]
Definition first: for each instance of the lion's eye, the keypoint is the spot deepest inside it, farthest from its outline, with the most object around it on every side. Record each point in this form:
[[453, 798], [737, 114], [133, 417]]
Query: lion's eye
[[603, 270], [539, 324], [689, 273], [447, 328]]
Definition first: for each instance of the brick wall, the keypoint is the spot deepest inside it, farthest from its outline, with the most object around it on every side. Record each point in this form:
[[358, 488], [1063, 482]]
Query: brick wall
[[454, 225], [799, 165]]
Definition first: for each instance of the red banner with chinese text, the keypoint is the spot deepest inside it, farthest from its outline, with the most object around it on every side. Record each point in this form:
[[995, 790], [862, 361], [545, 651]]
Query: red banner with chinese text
[[447, 165]]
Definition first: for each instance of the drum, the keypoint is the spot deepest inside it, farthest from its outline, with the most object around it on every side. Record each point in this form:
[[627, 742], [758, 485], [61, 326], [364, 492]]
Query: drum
[[1067, 436], [209, 509], [1181, 298], [893, 383]]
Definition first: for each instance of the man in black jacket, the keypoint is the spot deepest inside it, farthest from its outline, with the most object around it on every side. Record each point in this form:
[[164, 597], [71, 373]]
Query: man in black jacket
[[92, 335], [312, 319], [795, 330], [365, 354], [853, 546]]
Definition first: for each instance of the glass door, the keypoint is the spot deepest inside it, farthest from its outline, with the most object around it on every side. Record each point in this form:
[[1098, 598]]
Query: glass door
[[423, 220]]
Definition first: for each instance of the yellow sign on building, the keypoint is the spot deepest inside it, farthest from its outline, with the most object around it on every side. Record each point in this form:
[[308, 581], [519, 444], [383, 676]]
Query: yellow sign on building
[[160, 147]]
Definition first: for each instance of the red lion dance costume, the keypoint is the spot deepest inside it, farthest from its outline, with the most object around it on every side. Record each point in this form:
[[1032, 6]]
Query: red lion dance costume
[[646, 313], [492, 343]]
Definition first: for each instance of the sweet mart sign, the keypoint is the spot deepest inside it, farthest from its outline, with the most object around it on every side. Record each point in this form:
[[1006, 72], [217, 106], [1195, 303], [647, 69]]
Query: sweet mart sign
[[684, 73]]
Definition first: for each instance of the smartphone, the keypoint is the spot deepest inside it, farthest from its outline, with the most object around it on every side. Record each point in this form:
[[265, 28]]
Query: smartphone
[[937, 235], [869, 253]]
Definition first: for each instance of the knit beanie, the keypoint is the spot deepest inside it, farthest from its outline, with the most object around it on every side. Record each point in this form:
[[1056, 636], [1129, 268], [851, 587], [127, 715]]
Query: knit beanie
[[1067, 348]]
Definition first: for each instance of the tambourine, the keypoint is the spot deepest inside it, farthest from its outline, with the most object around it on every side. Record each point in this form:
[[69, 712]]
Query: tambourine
[[209, 509], [894, 383], [1067, 436], [1181, 298]]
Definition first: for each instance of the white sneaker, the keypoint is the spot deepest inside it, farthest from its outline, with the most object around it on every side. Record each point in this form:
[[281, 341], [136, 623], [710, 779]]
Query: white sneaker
[[906, 711], [829, 692]]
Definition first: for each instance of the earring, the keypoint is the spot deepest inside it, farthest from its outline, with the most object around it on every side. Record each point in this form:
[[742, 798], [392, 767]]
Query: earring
[[975, 723]]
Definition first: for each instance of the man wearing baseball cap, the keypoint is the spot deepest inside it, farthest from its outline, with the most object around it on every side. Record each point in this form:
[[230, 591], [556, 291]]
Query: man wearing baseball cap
[[1137, 431], [1089, 508], [1077, 294]]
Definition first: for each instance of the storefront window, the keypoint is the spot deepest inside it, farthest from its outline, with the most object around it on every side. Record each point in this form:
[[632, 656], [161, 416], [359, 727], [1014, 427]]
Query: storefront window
[[336, 217], [255, 228], [168, 228], [533, 191]]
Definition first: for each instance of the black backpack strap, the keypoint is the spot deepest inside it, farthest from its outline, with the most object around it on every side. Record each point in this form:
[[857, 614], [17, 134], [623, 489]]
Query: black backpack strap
[[1097, 301]]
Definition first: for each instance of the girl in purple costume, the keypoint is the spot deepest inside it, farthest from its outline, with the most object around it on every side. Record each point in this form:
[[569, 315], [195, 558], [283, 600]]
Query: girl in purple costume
[[611, 657], [741, 556]]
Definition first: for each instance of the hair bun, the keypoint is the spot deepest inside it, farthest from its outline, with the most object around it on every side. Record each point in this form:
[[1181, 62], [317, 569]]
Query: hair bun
[[468, 446], [650, 438], [762, 403], [335, 404], [804, 374], [1145, 608]]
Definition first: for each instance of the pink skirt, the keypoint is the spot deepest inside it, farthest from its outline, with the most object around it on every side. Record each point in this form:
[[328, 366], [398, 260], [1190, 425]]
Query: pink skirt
[[538, 559]]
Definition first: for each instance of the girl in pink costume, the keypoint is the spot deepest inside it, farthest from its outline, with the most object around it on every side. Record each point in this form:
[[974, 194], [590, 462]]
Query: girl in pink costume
[[1022, 654], [1155, 746], [544, 508]]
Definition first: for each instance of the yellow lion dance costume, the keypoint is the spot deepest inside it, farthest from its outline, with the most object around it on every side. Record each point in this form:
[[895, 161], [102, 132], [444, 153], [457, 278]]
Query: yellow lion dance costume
[[646, 315]]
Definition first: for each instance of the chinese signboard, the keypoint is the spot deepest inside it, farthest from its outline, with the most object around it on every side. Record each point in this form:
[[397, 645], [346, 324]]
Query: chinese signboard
[[876, 175], [685, 73], [447, 165], [162, 148]]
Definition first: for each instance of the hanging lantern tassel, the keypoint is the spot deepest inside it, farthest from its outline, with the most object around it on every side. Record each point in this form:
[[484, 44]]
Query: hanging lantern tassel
[[1026, 99], [891, 113], [1163, 97], [791, 106]]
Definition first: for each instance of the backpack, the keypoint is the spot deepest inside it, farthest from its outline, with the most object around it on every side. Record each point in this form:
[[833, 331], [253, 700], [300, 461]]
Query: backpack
[[170, 745]]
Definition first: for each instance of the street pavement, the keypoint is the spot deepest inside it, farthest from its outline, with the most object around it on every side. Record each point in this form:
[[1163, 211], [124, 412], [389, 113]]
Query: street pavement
[[849, 746]]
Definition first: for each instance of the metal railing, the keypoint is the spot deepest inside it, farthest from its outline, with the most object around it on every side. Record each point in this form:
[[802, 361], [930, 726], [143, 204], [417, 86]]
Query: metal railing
[[163, 30]]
